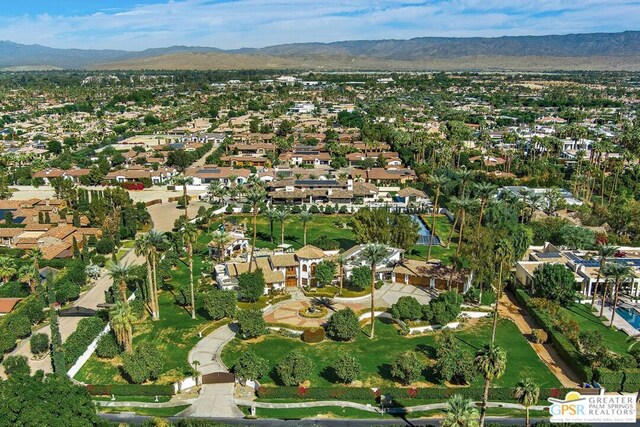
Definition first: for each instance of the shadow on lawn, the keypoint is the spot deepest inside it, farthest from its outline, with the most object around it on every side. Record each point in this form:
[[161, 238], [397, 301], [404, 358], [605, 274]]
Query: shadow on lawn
[[578, 312]]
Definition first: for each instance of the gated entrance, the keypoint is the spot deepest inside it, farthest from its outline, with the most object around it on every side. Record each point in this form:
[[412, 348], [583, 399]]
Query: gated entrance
[[218, 378]]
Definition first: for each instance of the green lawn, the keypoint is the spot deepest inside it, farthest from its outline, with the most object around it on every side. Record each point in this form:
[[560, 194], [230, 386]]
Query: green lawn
[[376, 356], [151, 412], [338, 412], [588, 320], [174, 335], [331, 227]]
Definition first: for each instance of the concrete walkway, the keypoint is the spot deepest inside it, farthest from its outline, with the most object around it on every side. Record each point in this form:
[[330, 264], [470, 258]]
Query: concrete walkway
[[215, 400], [546, 352]]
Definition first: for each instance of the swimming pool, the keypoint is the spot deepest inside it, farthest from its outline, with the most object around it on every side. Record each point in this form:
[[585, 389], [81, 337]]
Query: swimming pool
[[424, 235], [631, 315]]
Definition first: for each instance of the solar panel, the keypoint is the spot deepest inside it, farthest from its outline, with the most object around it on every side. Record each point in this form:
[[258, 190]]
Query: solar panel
[[216, 170], [322, 182], [589, 263], [549, 255]]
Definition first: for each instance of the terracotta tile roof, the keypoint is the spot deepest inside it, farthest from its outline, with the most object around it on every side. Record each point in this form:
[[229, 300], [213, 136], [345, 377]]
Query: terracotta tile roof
[[284, 260], [10, 232], [60, 232], [309, 252], [8, 304]]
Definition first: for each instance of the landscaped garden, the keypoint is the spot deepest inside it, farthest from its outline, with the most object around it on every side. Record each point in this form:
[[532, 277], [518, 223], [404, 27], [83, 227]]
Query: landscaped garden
[[376, 356]]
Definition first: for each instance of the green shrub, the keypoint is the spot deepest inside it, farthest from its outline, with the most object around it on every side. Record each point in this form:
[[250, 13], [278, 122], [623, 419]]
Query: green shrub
[[39, 344], [16, 365], [343, 325], [77, 343], [19, 325], [107, 347], [407, 308], [130, 390], [313, 335], [406, 368], [294, 368], [144, 363], [631, 381], [105, 246], [610, 380], [219, 304], [251, 323], [250, 366], [347, 368]]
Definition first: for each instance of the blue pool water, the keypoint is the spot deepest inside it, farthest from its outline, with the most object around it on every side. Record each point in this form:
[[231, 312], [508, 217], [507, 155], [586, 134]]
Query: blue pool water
[[424, 234], [631, 315]]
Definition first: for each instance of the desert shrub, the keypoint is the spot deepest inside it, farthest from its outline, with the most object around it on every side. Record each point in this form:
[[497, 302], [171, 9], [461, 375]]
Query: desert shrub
[[539, 336]]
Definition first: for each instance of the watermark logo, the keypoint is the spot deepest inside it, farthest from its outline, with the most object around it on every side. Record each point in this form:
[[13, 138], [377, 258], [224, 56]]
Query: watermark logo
[[576, 408]]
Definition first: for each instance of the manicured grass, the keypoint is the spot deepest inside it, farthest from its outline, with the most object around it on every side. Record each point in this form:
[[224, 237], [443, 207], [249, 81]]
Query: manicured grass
[[320, 225], [376, 356], [151, 412], [175, 334], [146, 399], [338, 412], [588, 320]]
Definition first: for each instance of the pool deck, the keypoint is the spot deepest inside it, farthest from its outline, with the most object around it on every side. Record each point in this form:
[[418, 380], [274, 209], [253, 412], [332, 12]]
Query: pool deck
[[619, 322]]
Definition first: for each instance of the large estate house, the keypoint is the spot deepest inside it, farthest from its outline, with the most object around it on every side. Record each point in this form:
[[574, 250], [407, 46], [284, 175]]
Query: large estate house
[[584, 265]]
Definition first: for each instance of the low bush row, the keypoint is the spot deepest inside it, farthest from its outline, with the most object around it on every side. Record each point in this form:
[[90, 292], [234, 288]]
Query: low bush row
[[627, 380], [497, 394], [130, 390]]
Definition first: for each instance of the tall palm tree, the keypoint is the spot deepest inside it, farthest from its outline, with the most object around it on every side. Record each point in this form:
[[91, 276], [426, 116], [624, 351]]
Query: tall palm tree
[[460, 412], [618, 273], [484, 190], [527, 393], [184, 181], [119, 273], [142, 247], [255, 196], [374, 253], [504, 254], [491, 362], [464, 205], [7, 268], [35, 256], [341, 260], [305, 217], [604, 252], [28, 274], [437, 181], [281, 216], [122, 318], [464, 175], [156, 239], [190, 236], [272, 216]]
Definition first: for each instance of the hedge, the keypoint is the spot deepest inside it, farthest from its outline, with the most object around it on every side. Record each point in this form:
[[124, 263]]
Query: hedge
[[565, 348], [31, 308], [77, 343], [631, 381], [610, 380], [130, 390], [496, 394]]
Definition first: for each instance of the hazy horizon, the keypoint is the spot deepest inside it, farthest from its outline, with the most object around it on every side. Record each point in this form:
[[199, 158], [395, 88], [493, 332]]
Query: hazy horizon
[[233, 24]]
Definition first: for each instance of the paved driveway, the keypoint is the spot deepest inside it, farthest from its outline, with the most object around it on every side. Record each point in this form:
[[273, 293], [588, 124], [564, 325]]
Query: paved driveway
[[391, 292]]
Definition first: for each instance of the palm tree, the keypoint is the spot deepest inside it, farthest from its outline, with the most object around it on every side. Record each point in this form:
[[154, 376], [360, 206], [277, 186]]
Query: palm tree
[[341, 260], [504, 253], [272, 216], [184, 181], [156, 239], [437, 181], [484, 190], [282, 216], [491, 362], [255, 196], [35, 255], [464, 205], [120, 273], [604, 252], [190, 235], [122, 318], [618, 273], [7, 268], [374, 253], [29, 275], [219, 238], [460, 412], [142, 247], [527, 393], [464, 175], [305, 217]]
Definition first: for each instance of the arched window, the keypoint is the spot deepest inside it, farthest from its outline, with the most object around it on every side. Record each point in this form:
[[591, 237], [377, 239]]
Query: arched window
[[304, 268]]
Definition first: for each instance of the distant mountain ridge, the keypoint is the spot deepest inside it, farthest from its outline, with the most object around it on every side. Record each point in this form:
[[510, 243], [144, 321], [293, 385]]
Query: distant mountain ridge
[[614, 50]]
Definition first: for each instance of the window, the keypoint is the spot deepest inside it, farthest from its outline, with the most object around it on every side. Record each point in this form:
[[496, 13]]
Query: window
[[304, 268]]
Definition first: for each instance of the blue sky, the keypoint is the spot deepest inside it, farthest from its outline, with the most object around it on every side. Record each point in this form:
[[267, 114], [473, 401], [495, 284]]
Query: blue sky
[[140, 24]]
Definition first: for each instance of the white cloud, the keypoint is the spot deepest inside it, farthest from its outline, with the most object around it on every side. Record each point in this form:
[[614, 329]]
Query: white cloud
[[257, 23]]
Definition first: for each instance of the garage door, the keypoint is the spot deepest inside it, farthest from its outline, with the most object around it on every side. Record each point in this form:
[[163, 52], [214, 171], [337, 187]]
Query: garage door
[[218, 378]]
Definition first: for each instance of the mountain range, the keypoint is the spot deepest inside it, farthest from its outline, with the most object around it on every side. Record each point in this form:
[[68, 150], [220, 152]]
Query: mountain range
[[594, 51]]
